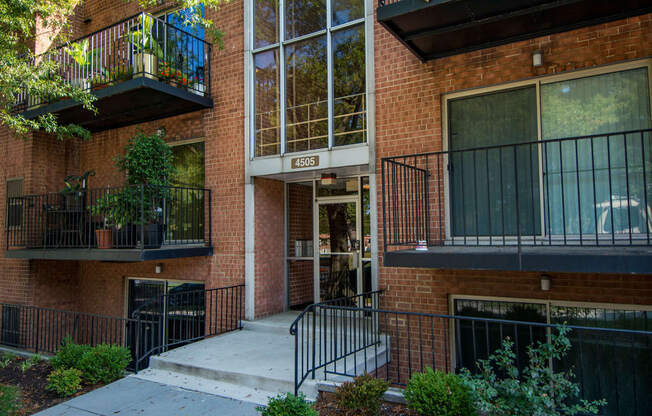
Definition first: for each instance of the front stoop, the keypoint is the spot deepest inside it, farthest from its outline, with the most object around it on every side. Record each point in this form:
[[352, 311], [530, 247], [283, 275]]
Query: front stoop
[[252, 364]]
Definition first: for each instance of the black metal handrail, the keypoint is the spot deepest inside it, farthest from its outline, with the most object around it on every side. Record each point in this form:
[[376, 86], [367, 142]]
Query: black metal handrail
[[140, 216], [591, 190], [310, 330], [177, 319], [44, 329], [159, 324], [608, 363], [138, 46]]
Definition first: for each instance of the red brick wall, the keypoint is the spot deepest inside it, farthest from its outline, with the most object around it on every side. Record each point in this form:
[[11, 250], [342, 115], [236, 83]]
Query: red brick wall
[[268, 242], [44, 162], [300, 273], [408, 120]]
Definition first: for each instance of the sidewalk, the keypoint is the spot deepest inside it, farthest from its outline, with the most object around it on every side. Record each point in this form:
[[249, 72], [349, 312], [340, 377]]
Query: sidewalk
[[132, 396]]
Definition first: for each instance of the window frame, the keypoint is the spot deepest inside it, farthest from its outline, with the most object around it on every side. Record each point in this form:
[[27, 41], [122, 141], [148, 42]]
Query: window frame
[[547, 302], [9, 227], [537, 82], [281, 45]]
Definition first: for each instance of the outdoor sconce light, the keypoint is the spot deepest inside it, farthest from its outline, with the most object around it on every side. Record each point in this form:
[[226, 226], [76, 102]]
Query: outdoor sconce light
[[158, 269], [537, 58], [328, 179], [546, 282]]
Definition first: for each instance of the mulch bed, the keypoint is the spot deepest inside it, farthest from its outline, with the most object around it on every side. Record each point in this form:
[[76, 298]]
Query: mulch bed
[[326, 406], [32, 383]]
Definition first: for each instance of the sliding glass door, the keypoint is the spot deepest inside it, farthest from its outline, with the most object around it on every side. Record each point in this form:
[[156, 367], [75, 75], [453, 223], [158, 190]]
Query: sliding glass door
[[563, 159], [595, 185], [485, 181]]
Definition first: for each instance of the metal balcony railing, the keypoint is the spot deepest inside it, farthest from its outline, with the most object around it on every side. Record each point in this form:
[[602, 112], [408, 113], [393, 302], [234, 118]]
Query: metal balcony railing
[[139, 46], [592, 190], [141, 216]]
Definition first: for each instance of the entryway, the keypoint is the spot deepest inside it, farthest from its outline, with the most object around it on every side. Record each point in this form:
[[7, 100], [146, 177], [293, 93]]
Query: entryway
[[328, 240]]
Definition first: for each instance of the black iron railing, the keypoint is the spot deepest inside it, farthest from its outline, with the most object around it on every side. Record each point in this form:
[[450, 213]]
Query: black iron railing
[[580, 191], [141, 216], [176, 319], [44, 329], [322, 339], [160, 324], [139, 46], [608, 363]]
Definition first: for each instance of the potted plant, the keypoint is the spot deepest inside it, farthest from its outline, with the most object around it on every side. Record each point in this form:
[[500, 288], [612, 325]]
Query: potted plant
[[104, 208], [87, 61], [147, 163], [120, 72], [198, 86], [73, 192], [146, 50]]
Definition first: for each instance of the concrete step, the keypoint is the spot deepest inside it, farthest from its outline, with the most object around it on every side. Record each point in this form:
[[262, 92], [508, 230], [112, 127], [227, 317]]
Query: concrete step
[[258, 361]]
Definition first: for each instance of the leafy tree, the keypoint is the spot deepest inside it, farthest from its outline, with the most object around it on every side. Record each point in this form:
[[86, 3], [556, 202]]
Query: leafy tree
[[22, 70]]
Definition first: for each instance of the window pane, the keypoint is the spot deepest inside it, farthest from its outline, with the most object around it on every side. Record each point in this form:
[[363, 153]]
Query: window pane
[[266, 22], [346, 11], [610, 195], [268, 131], [349, 86], [478, 340], [614, 366], [484, 183], [366, 220], [303, 17], [185, 208], [307, 95]]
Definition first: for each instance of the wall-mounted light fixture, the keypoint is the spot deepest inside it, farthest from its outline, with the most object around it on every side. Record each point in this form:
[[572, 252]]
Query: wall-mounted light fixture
[[546, 282], [158, 269], [537, 58]]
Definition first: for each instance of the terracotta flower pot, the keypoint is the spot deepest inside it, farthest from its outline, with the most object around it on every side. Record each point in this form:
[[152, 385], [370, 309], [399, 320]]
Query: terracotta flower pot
[[104, 238]]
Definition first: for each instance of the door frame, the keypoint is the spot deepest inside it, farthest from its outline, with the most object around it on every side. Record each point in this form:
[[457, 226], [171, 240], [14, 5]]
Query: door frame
[[328, 200]]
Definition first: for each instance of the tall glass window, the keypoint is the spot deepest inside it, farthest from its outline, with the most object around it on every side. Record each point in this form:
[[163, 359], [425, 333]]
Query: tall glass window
[[309, 75]]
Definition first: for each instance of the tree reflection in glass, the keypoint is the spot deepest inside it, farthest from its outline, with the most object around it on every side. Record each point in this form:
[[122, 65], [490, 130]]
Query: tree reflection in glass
[[307, 95], [349, 109], [268, 132], [303, 17]]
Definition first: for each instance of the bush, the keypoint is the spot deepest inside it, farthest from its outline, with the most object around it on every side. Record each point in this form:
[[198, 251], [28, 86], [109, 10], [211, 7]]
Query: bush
[[6, 359], [362, 396], [104, 363], [435, 393], [69, 355], [499, 389], [9, 401], [288, 405], [65, 382]]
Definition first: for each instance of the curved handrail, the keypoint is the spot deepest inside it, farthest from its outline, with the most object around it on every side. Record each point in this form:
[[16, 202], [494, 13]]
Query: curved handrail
[[293, 326]]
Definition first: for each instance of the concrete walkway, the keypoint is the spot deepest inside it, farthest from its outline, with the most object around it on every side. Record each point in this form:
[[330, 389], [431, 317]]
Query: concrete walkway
[[132, 396]]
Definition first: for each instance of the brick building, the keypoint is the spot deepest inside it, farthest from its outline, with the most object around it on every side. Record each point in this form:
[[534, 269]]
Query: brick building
[[511, 141]]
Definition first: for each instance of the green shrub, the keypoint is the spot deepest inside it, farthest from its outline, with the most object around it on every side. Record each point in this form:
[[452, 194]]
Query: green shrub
[[104, 363], [435, 393], [6, 359], [363, 395], [9, 400], [65, 382], [288, 405], [69, 354], [499, 389]]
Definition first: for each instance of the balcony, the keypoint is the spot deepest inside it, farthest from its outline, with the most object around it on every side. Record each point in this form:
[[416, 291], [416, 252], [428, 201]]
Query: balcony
[[579, 204], [140, 69], [128, 224], [437, 28]]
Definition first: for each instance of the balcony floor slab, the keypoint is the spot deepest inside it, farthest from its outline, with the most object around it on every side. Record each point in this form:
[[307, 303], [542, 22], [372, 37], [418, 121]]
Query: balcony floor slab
[[563, 259], [115, 255]]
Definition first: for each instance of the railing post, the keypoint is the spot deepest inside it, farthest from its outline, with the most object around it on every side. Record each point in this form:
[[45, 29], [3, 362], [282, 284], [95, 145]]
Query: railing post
[[142, 217], [518, 210], [36, 331], [314, 331], [137, 347], [210, 218], [142, 46]]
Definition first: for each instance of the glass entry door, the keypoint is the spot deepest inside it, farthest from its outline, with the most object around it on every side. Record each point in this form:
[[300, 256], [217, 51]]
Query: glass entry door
[[337, 273]]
